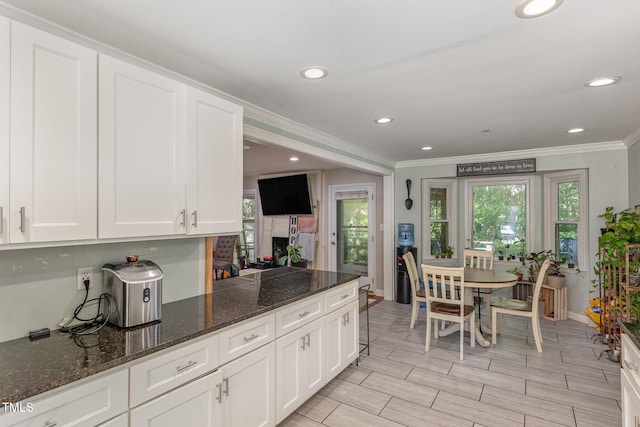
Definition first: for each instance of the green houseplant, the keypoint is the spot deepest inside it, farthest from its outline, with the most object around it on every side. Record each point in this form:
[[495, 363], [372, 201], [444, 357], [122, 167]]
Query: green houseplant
[[448, 251], [293, 256]]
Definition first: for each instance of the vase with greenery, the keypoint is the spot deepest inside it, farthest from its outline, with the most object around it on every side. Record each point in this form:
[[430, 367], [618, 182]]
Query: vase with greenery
[[521, 248], [501, 251], [448, 251]]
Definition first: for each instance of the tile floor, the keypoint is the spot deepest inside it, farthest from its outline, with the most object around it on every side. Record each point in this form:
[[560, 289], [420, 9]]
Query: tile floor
[[399, 384]]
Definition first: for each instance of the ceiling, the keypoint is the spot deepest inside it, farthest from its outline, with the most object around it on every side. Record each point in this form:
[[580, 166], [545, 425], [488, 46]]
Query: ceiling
[[444, 70]]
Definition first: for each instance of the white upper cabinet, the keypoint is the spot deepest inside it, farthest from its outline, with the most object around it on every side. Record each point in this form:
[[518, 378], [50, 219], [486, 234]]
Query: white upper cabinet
[[53, 143], [5, 67], [214, 190], [142, 152]]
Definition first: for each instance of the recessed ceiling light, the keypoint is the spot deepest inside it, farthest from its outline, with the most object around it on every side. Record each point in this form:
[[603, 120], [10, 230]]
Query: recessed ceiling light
[[535, 8], [426, 148], [575, 130], [603, 81], [314, 72], [383, 120], [293, 158]]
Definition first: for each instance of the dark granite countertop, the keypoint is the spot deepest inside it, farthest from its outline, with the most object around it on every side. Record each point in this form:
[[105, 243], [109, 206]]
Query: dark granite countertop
[[28, 368]]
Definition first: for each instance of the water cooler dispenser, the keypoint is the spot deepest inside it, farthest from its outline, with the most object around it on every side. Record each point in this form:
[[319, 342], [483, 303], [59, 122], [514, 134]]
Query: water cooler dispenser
[[405, 244]]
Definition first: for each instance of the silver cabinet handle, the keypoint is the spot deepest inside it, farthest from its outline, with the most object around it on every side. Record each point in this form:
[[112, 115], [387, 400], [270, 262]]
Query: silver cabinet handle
[[183, 214], [308, 339], [348, 317], [344, 296], [188, 365], [251, 338], [219, 387], [344, 319], [226, 386], [22, 222], [1, 220], [303, 343], [195, 218], [306, 313], [53, 423]]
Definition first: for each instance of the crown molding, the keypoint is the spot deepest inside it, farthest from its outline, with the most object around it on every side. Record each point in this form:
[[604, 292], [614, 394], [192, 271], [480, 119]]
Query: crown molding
[[632, 139], [508, 155]]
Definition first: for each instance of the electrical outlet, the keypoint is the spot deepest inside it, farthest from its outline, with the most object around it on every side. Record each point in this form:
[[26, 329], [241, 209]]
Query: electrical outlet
[[84, 273]]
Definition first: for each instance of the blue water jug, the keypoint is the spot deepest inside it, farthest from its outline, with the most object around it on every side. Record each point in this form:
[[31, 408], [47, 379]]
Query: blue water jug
[[405, 234]]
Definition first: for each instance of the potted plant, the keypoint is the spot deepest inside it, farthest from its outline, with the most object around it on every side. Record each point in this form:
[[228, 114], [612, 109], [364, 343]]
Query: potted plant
[[501, 251], [293, 257], [521, 248], [555, 278], [448, 252], [536, 259], [517, 271]]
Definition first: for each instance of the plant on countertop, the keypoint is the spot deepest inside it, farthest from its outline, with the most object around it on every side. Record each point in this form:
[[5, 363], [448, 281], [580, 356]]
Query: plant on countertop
[[293, 255], [521, 248], [501, 251]]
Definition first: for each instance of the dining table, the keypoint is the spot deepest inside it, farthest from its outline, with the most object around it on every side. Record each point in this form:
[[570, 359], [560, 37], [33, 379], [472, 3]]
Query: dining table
[[482, 279]]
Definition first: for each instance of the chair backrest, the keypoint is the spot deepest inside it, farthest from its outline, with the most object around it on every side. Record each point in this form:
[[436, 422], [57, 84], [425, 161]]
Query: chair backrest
[[440, 284], [224, 248], [475, 258], [538, 286], [412, 269]]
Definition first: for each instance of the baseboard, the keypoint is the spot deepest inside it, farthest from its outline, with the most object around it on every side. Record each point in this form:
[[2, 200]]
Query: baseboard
[[580, 318]]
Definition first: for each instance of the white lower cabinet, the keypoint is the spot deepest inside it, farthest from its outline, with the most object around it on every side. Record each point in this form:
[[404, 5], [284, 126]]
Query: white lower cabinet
[[196, 404], [630, 383], [248, 389], [121, 421], [300, 367], [341, 328], [88, 404]]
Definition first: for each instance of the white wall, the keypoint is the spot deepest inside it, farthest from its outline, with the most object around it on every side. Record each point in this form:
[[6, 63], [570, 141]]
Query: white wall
[[608, 186], [38, 286]]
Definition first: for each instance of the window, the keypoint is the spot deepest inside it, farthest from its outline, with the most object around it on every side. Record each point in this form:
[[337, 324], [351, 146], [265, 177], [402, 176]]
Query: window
[[248, 236], [565, 225], [498, 214], [440, 219]]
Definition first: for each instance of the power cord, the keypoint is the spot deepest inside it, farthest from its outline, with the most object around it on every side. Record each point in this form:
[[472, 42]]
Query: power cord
[[94, 324]]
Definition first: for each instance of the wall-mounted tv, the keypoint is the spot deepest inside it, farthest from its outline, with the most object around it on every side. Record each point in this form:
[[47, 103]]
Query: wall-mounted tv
[[285, 195]]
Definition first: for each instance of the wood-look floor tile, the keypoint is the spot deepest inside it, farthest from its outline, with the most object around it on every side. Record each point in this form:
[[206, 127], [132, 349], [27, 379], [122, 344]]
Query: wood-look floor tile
[[476, 411], [420, 360], [567, 369], [348, 416], [318, 407], [385, 366], [414, 415], [530, 373], [354, 374], [406, 390], [531, 421], [368, 400], [454, 355], [506, 382], [610, 391], [457, 386], [529, 405], [298, 420], [586, 418], [573, 398]]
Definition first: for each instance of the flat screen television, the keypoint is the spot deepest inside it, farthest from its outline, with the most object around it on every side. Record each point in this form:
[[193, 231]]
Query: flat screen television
[[285, 195]]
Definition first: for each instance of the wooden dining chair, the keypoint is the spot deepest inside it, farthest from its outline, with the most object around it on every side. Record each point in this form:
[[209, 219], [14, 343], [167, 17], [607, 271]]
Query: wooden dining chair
[[444, 303], [516, 307], [476, 258], [417, 295]]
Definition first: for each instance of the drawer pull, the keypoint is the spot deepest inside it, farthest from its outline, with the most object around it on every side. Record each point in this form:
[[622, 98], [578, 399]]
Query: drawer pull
[[22, 219], [306, 313], [251, 338], [344, 296], [308, 339], [53, 423], [226, 386], [187, 366], [219, 387], [303, 343]]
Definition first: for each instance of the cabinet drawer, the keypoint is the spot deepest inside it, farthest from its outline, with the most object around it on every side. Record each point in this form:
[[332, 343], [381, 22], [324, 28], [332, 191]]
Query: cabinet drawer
[[88, 404], [631, 359], [242, 338], [172, 369], [298, 314], [344, 294]]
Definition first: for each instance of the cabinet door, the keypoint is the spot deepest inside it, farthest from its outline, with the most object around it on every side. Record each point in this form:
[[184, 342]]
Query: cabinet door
[[341, 328], [142, 146], [214, 190], [300, 367], [5, 61], [630, 400], [53, 138], [248, 389], [194, 404]]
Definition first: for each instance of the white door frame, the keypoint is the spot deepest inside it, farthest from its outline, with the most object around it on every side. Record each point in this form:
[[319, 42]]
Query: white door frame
[[370, 187]]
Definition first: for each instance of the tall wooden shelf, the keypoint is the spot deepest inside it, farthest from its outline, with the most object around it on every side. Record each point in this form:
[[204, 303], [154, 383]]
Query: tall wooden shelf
[[618, 278]]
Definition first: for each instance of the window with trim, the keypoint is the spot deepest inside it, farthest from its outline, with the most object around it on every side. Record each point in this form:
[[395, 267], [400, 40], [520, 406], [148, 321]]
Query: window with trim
[[565, 196], [439, 222], [247, 237], [498, 214]]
